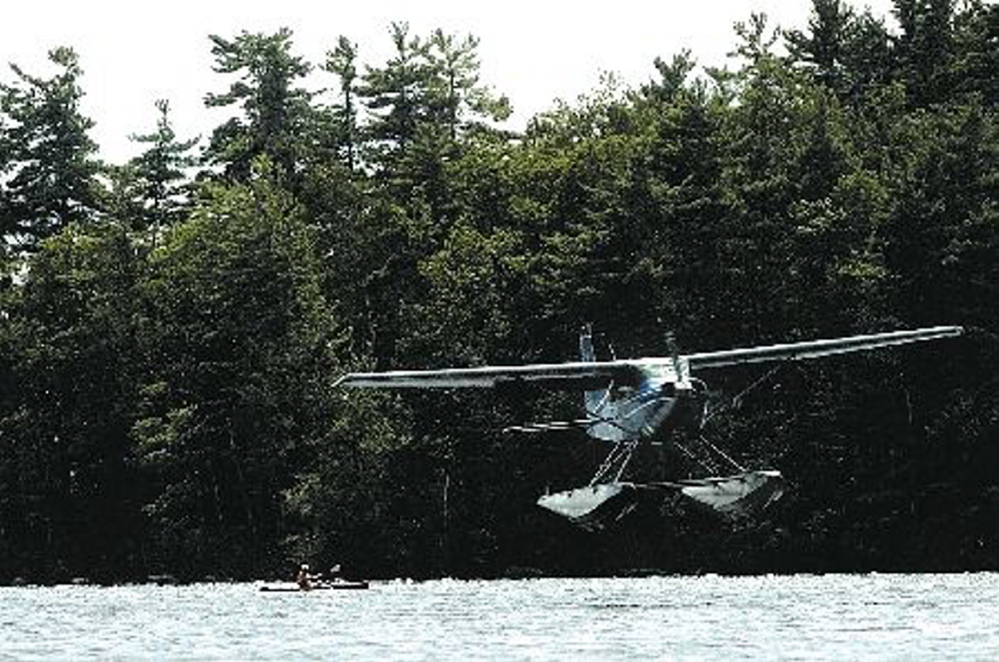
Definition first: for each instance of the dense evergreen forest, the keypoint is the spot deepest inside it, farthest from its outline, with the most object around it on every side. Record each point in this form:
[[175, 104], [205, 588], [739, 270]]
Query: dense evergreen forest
[[171, 328]]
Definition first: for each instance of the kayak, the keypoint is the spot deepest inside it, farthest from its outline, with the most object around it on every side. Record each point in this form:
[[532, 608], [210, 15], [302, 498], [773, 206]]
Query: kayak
[[292, 588]]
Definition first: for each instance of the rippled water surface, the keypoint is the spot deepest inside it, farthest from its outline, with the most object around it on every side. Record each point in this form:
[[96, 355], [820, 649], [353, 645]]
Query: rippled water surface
[[831, 617]]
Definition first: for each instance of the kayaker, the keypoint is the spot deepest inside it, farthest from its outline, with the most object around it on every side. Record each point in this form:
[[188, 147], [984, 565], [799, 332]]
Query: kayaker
[[304, 580]]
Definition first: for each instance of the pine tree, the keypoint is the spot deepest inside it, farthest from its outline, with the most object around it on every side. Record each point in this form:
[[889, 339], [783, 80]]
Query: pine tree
[[49, 165], [342, 62], [925, 48], [276, 114], [823, 47], [393, 97], [456, 98], [161, 186], [977, 39], [423, 104], [868, 60]]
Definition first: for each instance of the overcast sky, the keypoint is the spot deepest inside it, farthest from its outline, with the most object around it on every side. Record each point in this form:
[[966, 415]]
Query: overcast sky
[[534, 51]]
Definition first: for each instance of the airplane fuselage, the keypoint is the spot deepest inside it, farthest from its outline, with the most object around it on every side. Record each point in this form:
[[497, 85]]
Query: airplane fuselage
[[664, 398]]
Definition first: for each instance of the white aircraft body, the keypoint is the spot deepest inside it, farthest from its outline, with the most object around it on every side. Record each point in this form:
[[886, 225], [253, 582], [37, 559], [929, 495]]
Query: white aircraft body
[[627, 401]]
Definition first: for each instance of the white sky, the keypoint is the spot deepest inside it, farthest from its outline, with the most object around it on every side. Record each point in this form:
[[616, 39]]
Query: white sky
[[136, 51]]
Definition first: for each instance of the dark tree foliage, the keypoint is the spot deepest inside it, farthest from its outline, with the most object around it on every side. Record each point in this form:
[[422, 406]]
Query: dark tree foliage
[[167, 370], [68, 466], [236, 343]]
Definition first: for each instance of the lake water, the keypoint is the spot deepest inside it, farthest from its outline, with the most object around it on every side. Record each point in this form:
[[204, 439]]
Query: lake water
[[829, 617]]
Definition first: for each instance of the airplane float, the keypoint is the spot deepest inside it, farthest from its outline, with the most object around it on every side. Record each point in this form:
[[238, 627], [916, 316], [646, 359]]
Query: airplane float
[[628, 401]]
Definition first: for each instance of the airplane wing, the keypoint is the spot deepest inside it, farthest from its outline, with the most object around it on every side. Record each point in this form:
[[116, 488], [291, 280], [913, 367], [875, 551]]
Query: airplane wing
[[577, 375], [817, 348], [600, 374]]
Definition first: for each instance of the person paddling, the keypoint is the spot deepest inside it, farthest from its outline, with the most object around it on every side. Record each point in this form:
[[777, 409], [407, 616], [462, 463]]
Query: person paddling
[[304, 580]]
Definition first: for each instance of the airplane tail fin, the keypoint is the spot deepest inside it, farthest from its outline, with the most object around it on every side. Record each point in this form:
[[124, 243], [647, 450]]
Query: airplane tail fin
[[593, 400]]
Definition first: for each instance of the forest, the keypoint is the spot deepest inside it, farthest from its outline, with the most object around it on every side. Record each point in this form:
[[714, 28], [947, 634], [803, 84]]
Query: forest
[[171, 328]]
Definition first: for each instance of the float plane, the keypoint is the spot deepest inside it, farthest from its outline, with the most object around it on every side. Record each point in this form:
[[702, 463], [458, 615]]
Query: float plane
[[628, 401]]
